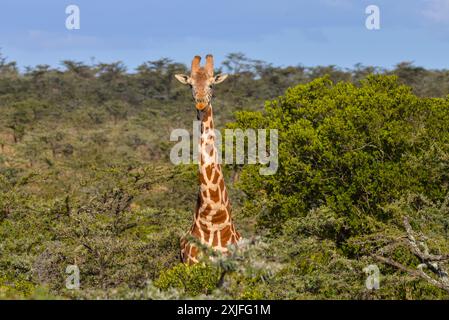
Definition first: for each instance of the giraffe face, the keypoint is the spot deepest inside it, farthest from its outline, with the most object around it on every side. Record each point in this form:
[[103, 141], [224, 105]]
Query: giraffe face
[[201, 80]]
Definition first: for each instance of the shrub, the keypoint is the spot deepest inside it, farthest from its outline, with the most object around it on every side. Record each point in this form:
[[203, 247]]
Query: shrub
[[352, 149], [194, 280]]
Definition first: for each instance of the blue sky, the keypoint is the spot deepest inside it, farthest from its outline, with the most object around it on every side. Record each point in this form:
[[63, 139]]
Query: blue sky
[[313, 32]]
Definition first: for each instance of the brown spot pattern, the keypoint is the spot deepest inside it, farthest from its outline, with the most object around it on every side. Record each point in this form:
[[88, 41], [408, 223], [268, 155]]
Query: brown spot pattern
[[212, 219]]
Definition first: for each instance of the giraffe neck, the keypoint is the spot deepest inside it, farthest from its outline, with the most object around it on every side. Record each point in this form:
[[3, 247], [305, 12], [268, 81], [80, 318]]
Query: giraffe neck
[[207, 152], [213, 214], [212, 223], [212, 186]]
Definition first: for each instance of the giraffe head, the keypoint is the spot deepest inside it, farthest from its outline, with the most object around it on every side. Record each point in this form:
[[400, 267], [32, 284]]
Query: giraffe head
[[202, 80]]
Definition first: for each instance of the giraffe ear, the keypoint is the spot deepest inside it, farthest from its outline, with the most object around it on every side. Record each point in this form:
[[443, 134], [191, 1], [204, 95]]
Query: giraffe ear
[[184, 79], [219, 78]]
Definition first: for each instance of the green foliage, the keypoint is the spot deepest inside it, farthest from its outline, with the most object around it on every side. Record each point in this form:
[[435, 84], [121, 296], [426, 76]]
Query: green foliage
[[14, 288], [85, 179], [193, 280], [352, 149]]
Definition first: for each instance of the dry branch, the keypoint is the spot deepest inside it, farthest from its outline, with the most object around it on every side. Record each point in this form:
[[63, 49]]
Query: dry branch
[[430, 261]]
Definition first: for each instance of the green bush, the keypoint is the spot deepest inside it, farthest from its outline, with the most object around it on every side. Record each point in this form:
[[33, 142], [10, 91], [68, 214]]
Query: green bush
[[194, 280], [350, 148], [85, 179], [13, 288]]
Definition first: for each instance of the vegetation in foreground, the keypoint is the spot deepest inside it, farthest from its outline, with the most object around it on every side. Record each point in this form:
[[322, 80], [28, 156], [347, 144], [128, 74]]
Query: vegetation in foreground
[[363, 180]]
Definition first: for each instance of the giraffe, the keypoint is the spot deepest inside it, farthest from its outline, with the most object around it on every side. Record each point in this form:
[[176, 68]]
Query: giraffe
[[212, 224]]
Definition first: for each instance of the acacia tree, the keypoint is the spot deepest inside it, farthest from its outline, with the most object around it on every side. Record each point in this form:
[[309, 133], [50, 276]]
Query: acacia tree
[[117, 109], [17, 121], [156, 77]]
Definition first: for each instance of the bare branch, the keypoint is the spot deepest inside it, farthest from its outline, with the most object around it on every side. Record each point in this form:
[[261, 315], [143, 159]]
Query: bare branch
[[419, 248], [412, 272]]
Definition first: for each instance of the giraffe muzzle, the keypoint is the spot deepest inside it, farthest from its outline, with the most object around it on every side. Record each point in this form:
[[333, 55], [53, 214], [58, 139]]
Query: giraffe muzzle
[[201, 104]]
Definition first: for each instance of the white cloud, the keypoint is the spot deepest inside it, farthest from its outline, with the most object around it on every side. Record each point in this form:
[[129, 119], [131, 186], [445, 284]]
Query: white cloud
[[437, 11]]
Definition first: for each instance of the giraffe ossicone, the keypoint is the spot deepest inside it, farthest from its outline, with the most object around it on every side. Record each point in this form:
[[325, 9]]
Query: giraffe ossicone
[[213, 225]]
